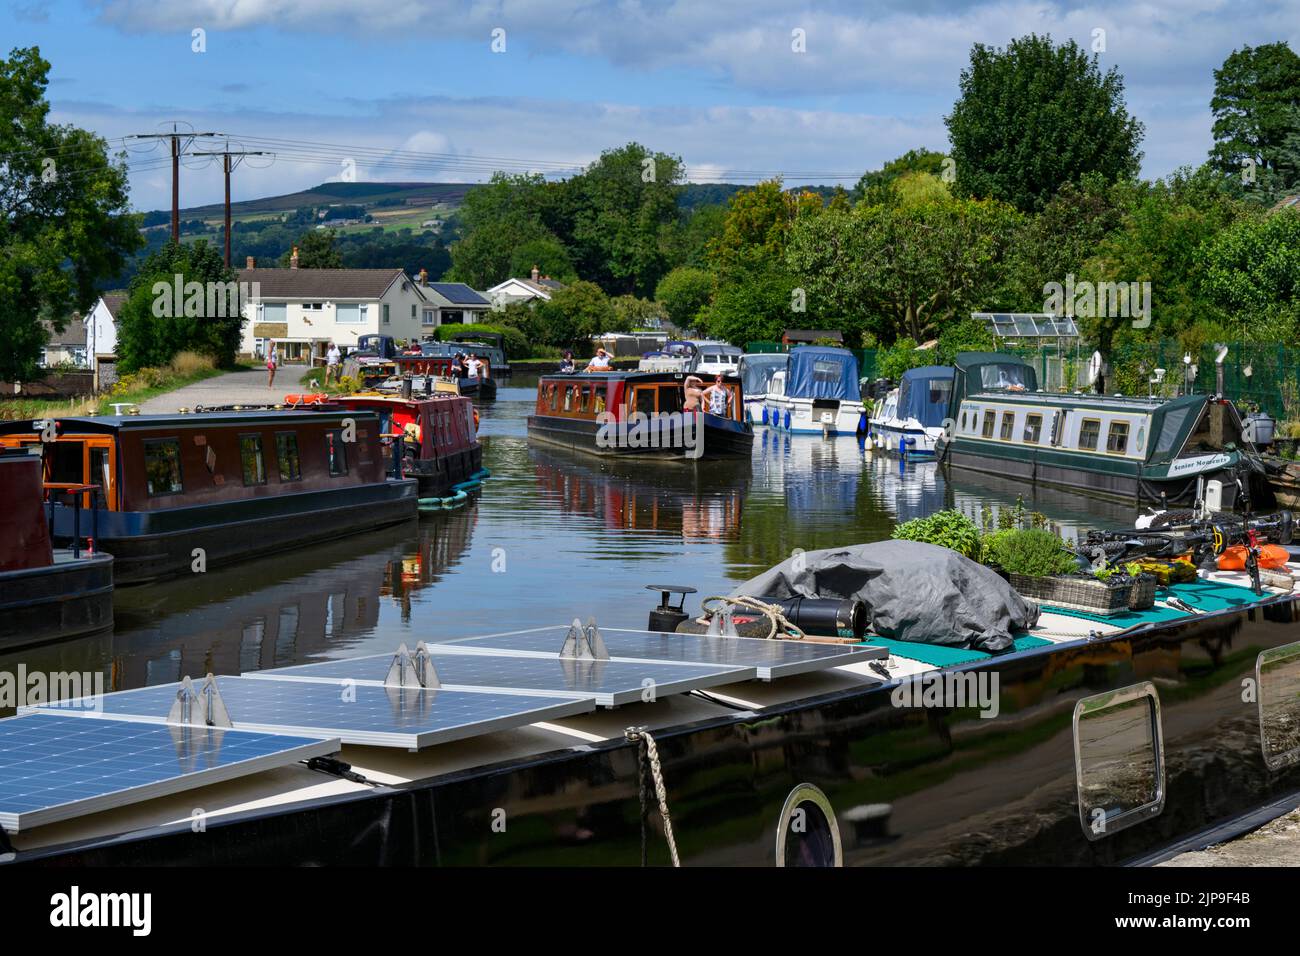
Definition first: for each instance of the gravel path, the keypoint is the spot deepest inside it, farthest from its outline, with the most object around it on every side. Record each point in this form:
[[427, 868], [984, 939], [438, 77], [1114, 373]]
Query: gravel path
[[233, 388]]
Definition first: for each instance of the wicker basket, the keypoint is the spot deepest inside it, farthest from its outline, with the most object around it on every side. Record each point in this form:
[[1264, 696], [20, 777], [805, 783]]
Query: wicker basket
[[1143, 593], [1076, 593]]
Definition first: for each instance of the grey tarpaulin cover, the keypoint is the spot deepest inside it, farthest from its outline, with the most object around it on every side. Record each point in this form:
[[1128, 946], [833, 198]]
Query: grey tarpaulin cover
[[912, 591]]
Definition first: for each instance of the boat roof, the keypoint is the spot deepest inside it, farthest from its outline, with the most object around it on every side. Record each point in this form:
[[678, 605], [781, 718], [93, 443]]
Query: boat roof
[[966, 360], [1138, 403], [114, 423], [616, 376], [929, 372]]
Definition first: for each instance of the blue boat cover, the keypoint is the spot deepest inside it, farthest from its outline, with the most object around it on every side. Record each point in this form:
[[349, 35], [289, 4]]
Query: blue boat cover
[[756, 371], [925, 394], [822, 372]]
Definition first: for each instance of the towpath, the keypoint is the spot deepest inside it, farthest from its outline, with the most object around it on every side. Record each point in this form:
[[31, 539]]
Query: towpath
[[232, 388]]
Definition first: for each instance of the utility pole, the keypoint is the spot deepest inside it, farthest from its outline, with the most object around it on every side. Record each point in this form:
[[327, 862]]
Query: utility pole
[[178, 150], [229, 160]]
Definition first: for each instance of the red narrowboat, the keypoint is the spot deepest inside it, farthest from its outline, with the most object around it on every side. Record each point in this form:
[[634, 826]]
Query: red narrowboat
[[45, 594], [174, 494], [436, 437], [662, 415]]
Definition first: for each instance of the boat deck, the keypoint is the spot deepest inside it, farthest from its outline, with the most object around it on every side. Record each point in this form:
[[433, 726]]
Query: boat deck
[[285, 788]]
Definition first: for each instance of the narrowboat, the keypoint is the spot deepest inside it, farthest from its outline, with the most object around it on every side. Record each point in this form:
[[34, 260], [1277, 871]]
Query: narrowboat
[[45, 593], [436, 436], [436, 359], [639, 414], [489, 346], [1134, 449], [909, 421], [176, 494], [1087, 743], [756, 371], [817, 393]]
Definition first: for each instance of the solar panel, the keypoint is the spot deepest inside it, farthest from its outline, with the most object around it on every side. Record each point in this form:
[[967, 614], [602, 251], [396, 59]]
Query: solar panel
[[355, 713], [770, 659], [610, 683], [55, 767]]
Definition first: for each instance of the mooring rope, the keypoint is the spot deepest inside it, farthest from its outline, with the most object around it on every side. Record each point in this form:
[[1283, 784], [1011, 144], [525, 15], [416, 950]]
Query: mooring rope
[[776, 620], [647, 750]]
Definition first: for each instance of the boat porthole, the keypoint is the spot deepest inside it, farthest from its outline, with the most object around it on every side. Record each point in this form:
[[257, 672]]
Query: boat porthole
[[1119, 759], [807, 833], [1277, 688], [1141, 437]]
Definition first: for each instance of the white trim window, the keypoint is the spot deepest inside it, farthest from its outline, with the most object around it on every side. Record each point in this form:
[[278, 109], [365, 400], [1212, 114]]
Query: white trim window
[[428, 317], [313, 306], [349, 313]]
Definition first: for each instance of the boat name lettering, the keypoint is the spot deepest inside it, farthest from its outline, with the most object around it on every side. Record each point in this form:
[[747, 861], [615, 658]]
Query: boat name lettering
[[1186, 466]]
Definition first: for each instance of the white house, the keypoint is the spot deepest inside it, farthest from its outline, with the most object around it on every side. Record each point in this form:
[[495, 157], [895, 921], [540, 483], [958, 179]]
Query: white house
[[451, 303], [523, 290], [303, 309], [101, 324]]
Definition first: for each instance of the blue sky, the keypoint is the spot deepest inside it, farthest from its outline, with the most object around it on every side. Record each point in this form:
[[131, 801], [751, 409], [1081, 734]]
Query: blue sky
[[717, 83]]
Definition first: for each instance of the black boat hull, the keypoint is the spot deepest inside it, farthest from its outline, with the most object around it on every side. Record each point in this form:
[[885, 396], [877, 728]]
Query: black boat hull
[[943, 787], [147, 546], [70, 598], [436, 475], [729, 440]]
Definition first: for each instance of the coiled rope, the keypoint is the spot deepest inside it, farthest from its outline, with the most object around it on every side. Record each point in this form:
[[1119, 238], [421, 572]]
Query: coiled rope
[[776, 620]]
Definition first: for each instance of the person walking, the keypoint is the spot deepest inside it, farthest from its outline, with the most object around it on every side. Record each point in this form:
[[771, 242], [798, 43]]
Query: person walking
[[270, 365], [332, 358]]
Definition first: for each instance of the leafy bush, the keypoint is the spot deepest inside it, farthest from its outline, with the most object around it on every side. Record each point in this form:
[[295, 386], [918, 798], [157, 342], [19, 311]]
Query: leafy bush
[[898, 358], [1035, 552], [948, 529], [515, 342]]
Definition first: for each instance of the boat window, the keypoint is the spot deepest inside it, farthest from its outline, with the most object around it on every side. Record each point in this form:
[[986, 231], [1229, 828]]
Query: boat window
[[645, 400], [807, 834], [554, 396], [250, 458], [101, 473], [990, 417], [1008, 426], [963, 417], [1141, 438], [1173, 424], [1003, 376], [598, 402], [568, 398], [1119, 759], [162, 466], [1033, 428], [64, 462], [286, 453], [671, 398], [1277, 674], [1089, 432], [1117, 438], [336, 452], [941, 392]]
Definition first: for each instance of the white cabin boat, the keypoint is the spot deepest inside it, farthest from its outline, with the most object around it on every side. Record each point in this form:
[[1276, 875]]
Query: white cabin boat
[[817, 393]]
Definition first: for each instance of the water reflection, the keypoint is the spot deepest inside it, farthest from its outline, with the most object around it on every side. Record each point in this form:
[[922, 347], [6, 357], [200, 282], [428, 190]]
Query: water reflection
[[553, 534]]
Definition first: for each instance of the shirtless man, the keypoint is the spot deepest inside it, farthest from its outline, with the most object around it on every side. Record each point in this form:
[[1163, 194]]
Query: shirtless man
[[694, 387]]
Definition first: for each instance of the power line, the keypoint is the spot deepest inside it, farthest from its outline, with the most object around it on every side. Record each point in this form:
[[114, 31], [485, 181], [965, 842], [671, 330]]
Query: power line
[[175, 136], [226, 167]]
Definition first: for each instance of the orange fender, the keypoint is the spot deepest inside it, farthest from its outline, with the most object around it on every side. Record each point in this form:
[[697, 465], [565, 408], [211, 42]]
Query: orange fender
[[1272, 557]]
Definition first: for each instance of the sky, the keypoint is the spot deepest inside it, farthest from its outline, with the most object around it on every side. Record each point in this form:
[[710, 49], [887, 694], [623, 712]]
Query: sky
[[447, 91]]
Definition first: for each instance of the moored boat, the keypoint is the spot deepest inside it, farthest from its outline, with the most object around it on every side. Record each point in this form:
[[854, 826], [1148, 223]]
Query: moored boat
[[816, 394], [183, 493], [756, 371], [45, 593], [909, 420], [1146, 450], [641, 414]]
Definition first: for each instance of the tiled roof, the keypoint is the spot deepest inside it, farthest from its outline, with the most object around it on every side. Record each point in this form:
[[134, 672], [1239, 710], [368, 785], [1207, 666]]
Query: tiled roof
[[322, 283], [113, 301], [74, 334]]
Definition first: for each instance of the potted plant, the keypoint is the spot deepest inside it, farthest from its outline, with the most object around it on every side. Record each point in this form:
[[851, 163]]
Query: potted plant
[[1040, 567], [949, 529]]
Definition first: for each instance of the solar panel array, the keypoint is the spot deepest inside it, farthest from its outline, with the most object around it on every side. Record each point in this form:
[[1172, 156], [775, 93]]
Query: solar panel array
[[610, 683], [54, 767]]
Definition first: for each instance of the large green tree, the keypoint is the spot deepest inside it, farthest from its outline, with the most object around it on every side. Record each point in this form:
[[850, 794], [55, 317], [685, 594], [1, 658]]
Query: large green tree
[[180, 300], [576, 313], [1252, 272], [1034, 116], [64, 226], [683, 293], [875, 184], [1256, 106], [316, 250]]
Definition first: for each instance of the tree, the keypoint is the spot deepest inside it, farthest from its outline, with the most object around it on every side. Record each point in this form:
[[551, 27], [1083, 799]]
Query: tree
[[155, 322], [683, 293], [875, 184], [504, 215], [1252, 273], [316, 250], [622, 202], [576, 313], [1256, 106], [757, 227], [752, 305], [63, 210], [633, 313], [545, 253], [1035, 116]]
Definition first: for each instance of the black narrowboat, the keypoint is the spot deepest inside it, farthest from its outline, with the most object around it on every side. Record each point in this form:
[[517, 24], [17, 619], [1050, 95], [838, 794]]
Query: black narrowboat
[[638, 414], [173, 494], [45, 593]]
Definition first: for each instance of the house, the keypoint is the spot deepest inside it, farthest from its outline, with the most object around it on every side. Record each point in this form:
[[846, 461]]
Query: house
[[450, 303], [523, 290], [795, 337], [101, 324], [67, 347], [302, 310]]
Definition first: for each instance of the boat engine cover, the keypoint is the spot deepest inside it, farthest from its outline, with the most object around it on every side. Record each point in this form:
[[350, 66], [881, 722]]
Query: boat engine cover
[[912, 592]]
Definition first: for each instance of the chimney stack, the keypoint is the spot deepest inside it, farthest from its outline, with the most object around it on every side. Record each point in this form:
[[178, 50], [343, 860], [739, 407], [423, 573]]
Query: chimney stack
[[293, 259], [424, 276], [536, 274], [250, 263]]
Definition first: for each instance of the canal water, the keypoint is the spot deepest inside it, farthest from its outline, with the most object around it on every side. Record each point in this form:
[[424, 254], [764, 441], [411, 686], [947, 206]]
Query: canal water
[[552, 536]]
